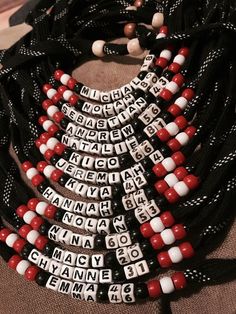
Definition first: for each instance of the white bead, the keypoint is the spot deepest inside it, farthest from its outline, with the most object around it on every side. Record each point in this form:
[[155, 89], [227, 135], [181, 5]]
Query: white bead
[[157, 225], [47, 124], [180, 59], [182, 138], [160, 35], [171, 179], [11, 239], [41, 207], [67, 94], [181, 102], [168, 164], [157, 20], [51, 143], [175, 254], [181, 188], [31, 173], [97, 48], [172, 128], [167, 285], [166, 54], [22, 266], [65, 78], [32, 236], [52, 110], [131, 8], [51, 92], [28, 216], [43, 148], [172, 87], [168, 236], [47, 171], [134, 48]]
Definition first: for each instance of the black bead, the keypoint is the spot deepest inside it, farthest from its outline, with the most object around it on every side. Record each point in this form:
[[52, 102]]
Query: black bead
[[160, 201], [111, 227], [140, 137], [146, 247], [42, 187], [125, 160], [138, 93], [142, 75], [43, 229], [117, 191], [150, 192], [168, 75], [60, 103], [159, 101], [78, 86], [66, 154], [64, 123], [99, 242], [110, 260], [136, 235], [26, 250], [153, 264], [42, 278], [137, 124], [48, 249], [147, 163], [58, 135], [117, 206], [157, 70], [130, 219], [141, 291], [165, 151], [54, 159], [149, 97], [79, 104], [166, 116], [150, 176], [59, 214], [118, 274], [102, 293], [155, 141], [63, 179]]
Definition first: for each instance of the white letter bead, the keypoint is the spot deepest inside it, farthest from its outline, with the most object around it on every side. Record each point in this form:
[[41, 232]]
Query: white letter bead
[[181, 188], [53, 283], [171, 179], [168, 236], [172, 87], [32, 236], [31, 173], [52, 110], [64, 79], [169, 164], [11, 239], [157, 20], [157, 224], [28, 216], [47, 171], [172, 128], [166, 54], [175, 254], [180, 59], [22, 266], [97, 48], [167, 285], [52, 142], [182, 138], [181, 102]]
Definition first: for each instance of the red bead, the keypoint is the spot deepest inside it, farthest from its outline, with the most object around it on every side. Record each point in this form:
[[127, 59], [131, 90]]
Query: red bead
[[36, 222], [50, 211], [146, 230], [174, 144], [154, 288], [38, 143], [178, 79], [21, 210], [56, 98], [167, 219], [14, 261], [161, 62], [181, 122], [178, 158], [56, 174], [190, 131], [40, 242], [37, 179], [46, 104], [41, 165], [32, 203], [159, 170], [24, 230], [62, 89], [42, 119], [188, 93], [179, 231], [58, 116], [71, 83], [19, 244], [163, 29], [156, 241], [73, 99], [53, 129], [184, 52], [48, 154], [186, 249], [26, 166], [163, 134], [46, 88], [161, 186], [191, 181], [174, 67], [166, 94], [58, 74], [174, 110], [4, 233], [180, 173], [44, 137], [164, 259], [179, 280], [31, 273], [171, 195], [59, 148]]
